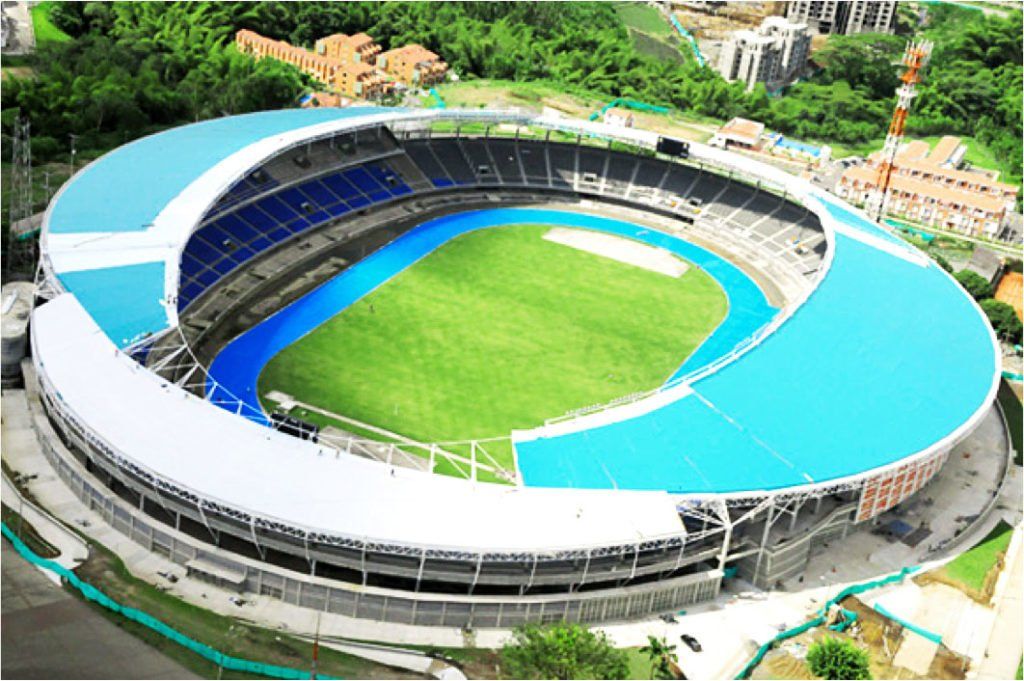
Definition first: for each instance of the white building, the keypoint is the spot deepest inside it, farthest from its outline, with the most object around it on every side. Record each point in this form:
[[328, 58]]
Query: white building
[[844, 16], [774, 54], [621, 118]]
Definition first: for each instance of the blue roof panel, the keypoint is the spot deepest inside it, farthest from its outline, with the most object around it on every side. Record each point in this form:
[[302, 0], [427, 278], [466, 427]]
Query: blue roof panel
[[125, 190], [886, 358], [123, 301]]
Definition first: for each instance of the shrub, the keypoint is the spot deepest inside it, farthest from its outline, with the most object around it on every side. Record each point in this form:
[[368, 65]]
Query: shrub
[[833, 658]]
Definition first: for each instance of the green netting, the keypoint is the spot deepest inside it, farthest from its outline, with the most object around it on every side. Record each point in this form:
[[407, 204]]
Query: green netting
[[819, 619], [146, 620], [920, 631]]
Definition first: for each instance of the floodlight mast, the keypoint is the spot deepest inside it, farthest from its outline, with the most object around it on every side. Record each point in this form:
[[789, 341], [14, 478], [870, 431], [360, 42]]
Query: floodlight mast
[[915, 58]]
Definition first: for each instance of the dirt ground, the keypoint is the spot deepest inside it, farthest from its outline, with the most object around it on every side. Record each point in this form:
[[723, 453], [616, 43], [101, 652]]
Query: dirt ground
[[879, 635]]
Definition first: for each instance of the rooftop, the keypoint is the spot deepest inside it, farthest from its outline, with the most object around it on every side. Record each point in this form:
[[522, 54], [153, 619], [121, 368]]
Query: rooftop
[[939, 192], [742, 127]]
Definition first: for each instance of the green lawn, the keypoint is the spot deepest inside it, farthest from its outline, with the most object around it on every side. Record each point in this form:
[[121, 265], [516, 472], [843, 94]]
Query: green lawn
[[496, 330], [971, 567], [643, 17], [42, 26]]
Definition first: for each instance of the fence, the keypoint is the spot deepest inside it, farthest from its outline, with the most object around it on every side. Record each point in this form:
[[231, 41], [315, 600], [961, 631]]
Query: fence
[[93, 594]]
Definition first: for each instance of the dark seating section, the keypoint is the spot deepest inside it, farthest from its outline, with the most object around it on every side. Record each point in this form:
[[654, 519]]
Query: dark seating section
[[228, 239], [262, 210], [251, 185]]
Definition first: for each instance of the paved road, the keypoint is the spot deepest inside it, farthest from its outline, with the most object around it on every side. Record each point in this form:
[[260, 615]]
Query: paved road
[[46, 633]]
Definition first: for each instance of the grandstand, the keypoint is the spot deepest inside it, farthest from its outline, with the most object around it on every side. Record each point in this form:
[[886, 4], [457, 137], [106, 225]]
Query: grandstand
[[176, 266]]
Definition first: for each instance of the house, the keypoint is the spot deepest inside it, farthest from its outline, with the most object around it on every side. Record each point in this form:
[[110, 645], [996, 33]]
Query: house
[[619, 117], [929, 186], [739, 133], [413, 65]]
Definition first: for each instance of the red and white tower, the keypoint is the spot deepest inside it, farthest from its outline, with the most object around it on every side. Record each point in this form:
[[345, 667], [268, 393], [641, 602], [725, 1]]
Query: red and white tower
[[915, 57]]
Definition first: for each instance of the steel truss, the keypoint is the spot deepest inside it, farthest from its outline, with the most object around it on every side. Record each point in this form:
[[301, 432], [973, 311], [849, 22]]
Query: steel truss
[[169, 354]]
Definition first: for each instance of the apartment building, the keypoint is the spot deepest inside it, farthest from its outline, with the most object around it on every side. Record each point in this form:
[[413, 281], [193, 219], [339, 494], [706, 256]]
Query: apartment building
[[352, 66], [774, 54], [847, 17], [929, 186], [349, 49], [413, 65]]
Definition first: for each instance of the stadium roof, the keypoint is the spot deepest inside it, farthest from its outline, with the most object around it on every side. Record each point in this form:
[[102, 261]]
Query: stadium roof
[[245, 465], [886, 358], [125, 216]]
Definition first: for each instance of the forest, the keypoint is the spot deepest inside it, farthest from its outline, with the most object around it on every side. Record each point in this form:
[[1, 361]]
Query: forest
[[134, 67]]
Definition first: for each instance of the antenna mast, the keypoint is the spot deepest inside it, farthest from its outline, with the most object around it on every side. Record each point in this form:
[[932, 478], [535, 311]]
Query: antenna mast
[[915, 57], [21, 256]]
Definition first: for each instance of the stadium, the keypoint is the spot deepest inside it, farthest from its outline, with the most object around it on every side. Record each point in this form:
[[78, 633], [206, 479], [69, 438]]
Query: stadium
[[482, 368]]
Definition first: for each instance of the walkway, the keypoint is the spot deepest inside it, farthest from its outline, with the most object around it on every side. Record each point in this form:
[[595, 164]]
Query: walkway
[[48, 633], [1003, 653]]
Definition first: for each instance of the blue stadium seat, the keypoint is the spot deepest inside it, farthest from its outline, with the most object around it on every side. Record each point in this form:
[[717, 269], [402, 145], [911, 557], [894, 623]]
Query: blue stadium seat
[[338, 209], [260, 220], [189, 264], [319, 194], [389, 179], [234, 226], [276, 208], [202, 251], [366, 184], [340, 186]]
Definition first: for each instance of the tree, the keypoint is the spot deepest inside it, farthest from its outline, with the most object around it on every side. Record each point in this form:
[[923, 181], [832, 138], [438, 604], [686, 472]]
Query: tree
[[1003, 319], [942, 262], [834, 658], [662, 656], [975, 284], [562, 651]]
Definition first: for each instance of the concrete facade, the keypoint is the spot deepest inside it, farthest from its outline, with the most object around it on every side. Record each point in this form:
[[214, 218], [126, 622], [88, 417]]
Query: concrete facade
[[774, 54], [847, 17]]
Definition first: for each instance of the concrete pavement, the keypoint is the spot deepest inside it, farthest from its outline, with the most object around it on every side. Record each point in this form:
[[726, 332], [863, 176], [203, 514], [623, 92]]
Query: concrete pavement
[[1006, 640], [47, 633], [73, 549]]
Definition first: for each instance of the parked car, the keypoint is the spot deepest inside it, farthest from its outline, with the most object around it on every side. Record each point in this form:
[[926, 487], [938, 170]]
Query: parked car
[[691, 643]]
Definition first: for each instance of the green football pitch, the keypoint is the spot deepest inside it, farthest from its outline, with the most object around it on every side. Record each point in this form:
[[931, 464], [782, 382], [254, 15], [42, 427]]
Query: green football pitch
[[496, 330]]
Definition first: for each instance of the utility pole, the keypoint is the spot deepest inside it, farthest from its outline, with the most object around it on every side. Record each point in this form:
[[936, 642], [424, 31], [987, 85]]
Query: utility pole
[[915, 57], [316, 647], [73, 137]]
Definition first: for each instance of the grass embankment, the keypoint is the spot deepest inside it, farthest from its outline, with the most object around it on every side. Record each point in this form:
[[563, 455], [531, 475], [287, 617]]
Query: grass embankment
[[1013, 409], [650, 32], [44, 29], [573, 102], [496, 330], [27, 533], [975, 571], [105, 571]]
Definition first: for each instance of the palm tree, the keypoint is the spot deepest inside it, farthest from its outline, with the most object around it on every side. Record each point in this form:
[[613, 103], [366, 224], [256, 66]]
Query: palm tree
[[662, 656]]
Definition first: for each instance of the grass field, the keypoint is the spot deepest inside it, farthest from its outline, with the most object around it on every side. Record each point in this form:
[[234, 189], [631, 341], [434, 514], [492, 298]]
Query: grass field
[[971, 569], [44, 29], [480, 93], [496, 330], [643, 17]]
